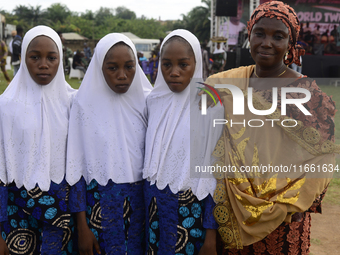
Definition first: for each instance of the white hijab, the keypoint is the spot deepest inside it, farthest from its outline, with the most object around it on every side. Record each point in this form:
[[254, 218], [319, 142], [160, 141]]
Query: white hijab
[[33, 124], [178, 137], [107, 130]]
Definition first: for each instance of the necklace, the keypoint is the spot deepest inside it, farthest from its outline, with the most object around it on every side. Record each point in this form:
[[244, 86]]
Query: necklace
[[264, 77]]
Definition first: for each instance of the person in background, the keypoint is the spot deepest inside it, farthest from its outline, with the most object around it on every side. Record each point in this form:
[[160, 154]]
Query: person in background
[[10, 48], [78, 63], [67, 53], [309, 39], [3, 57], [331, 46], [83, 59], [205, 60], [334, 33], [87, 54], [235, 26], [325, 37], [307, 29], [220, 58], [16, 45], [153, 65], [317, 34], [141, 56]]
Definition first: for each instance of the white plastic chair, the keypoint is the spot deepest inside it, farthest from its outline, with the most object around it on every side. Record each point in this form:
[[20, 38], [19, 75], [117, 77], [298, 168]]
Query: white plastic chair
[[75, 73], [8, 63]]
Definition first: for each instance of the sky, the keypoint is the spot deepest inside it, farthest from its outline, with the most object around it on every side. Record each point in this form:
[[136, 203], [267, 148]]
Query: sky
[[164, 9]]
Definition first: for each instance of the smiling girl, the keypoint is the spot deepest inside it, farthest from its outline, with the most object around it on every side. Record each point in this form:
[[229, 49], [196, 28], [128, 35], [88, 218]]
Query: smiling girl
[[34, 113], [106, 146]]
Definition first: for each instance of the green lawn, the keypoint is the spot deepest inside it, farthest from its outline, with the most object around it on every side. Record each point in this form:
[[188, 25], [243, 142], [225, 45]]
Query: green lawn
[[333, 192]]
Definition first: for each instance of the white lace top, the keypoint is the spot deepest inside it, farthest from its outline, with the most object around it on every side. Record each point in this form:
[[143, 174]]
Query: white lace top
[[107, 130], [178, 137], [33, 124]]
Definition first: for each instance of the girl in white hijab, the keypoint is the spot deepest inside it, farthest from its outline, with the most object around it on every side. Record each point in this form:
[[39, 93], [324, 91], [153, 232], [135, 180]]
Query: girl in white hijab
[[178, 200], [34, 112], [106, 147]]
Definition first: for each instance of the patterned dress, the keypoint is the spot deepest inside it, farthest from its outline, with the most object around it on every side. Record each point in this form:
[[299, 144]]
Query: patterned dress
[[288, 238], [115, 215], [35, 221], [294, 237], [176, 223]]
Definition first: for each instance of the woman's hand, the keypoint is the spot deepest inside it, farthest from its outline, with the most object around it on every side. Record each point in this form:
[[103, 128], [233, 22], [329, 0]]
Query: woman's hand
[[86, 239], [3, 247]]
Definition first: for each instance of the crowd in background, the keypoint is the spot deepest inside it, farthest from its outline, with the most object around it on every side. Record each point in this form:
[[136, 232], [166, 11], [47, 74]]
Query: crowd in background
[[316, 42], [313, 40]]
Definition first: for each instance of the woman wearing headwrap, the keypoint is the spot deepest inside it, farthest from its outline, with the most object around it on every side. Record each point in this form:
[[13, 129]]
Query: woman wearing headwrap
[[106, 146], [34, 113], [264, 203]]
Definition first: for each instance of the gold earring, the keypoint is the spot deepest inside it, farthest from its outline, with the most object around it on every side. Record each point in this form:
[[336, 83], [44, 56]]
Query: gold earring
[[286, 57]]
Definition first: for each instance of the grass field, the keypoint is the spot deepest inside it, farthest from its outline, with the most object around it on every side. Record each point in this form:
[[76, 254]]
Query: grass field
[[333, 193]]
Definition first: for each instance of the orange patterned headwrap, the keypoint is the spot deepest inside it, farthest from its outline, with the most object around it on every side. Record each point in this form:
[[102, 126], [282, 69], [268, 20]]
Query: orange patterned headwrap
[[285, 13]]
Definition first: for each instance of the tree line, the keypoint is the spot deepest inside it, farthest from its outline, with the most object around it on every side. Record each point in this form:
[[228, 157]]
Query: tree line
[[95, 25]]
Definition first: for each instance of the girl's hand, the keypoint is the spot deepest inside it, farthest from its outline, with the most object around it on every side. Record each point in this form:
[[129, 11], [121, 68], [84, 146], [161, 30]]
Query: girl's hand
[[3, 247], [86, 239]]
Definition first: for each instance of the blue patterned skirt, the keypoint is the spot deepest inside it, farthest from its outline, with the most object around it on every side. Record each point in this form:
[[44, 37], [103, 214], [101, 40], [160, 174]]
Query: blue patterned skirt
[[37, 222], [176, 223], [116, 215]]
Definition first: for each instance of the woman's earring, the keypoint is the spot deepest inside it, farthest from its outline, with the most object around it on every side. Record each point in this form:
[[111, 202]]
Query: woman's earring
[[286, 57]]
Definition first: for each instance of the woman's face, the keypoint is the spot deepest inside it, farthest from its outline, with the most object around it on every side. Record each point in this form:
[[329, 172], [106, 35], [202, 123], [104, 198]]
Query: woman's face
[[119, 68], [269, 41], [42, 59]]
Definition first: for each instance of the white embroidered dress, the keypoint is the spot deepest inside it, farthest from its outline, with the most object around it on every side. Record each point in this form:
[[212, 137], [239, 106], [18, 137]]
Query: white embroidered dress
[[178, 137], [34, 123], [107, 130]]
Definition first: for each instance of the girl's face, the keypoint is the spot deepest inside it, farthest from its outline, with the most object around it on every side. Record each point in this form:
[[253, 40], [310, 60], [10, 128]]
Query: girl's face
[[178, 65], [42, 59], [119, 68], [269, 41]]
